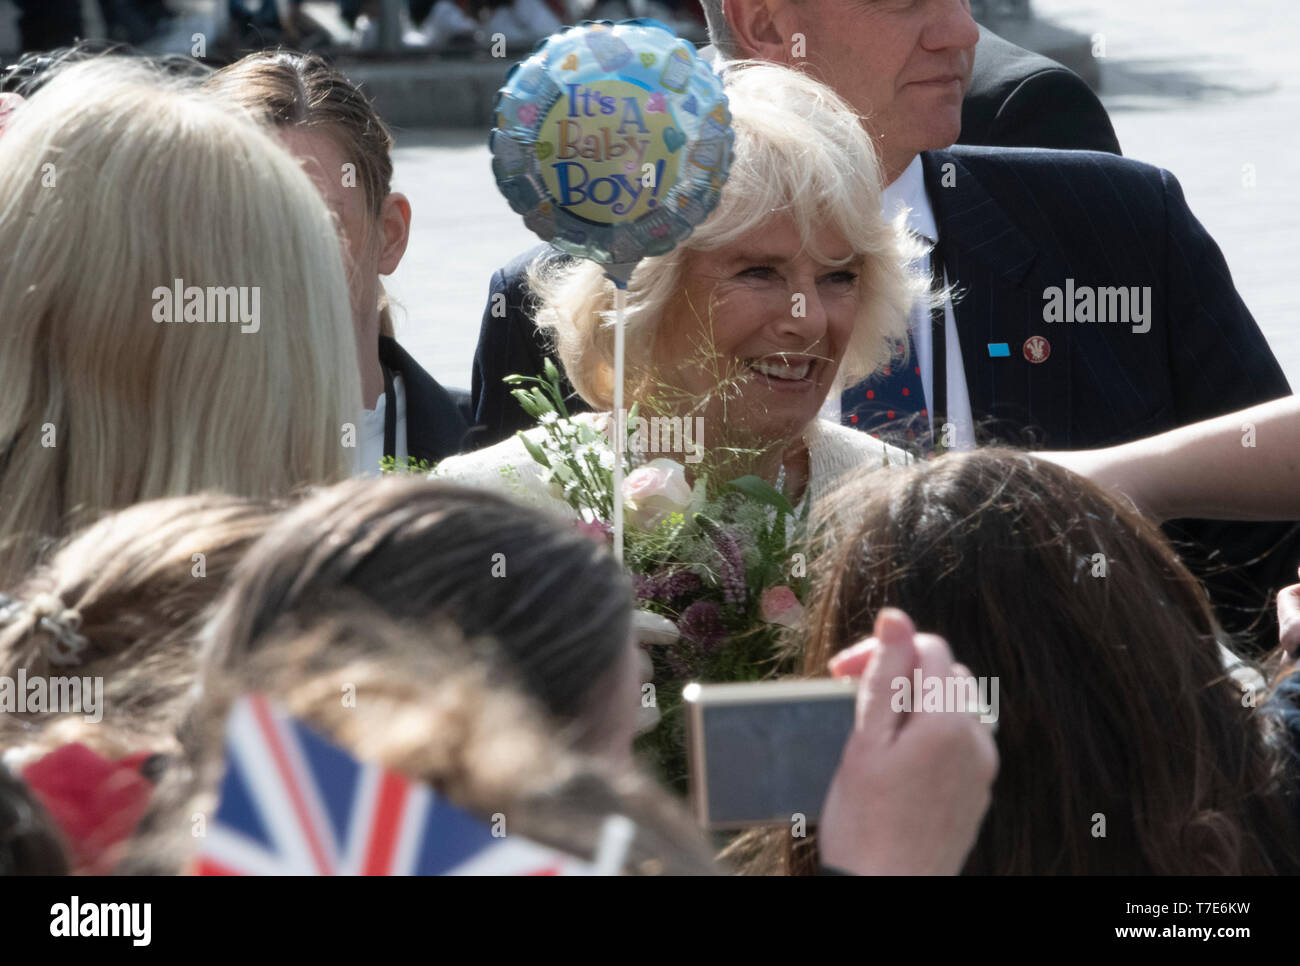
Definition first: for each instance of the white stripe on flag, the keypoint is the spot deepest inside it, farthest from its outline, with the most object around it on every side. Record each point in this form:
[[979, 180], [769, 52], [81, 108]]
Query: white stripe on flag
[[247, 746], [406, 850], [514, 856], [241, 854], [360, 820]]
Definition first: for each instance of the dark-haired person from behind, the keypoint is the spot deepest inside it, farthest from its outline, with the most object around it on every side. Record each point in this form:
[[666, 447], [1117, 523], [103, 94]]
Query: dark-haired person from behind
[[555, 604], [334, 130], [1115, 712], [29, 842]]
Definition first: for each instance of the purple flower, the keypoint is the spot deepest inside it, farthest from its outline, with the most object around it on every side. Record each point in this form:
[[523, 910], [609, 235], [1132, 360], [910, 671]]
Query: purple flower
[[733, 567], [646, 586], [701, 625], [678, 583], [666, 585]]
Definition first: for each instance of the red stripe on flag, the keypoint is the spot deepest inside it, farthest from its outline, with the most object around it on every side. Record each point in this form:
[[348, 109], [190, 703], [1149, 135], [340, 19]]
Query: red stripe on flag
[[390, 805], [262, 712], [206, 866]]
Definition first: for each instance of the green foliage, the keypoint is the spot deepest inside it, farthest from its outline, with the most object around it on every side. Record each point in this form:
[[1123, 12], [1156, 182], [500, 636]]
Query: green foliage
[[389, 466], [733, 531]]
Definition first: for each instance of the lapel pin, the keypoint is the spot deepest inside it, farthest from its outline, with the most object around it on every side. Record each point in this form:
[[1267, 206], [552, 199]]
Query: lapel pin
[[999, 350], [1037, 349]]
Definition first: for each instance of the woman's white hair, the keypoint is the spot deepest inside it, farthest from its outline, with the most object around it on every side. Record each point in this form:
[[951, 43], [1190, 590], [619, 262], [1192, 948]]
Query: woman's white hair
[[115, 181], [800, 150]]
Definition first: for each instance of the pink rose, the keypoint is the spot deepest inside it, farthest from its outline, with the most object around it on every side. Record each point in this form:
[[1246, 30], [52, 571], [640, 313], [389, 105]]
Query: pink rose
[[655, 490], [779, 605]]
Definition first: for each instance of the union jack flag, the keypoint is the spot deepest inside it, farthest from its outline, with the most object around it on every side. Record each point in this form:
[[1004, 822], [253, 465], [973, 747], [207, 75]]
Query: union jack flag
[[292, 803]]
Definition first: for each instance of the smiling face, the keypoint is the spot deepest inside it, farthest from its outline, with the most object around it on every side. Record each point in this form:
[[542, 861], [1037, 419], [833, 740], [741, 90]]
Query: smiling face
[[780, 322], [905, 65]]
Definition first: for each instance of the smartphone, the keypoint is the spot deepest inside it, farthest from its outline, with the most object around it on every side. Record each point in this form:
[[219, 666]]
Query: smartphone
[[764, 753]]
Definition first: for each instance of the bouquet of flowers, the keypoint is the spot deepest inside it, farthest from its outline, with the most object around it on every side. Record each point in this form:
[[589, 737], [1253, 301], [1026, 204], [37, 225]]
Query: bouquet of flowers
[[722, 559]]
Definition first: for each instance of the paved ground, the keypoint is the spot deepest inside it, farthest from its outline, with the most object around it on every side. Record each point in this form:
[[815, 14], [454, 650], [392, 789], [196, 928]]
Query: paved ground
[[1197, 86], [1205, 88], [462, 230]]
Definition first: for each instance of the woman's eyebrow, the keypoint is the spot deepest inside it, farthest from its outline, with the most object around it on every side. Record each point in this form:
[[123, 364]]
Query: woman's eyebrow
[[760, 256]]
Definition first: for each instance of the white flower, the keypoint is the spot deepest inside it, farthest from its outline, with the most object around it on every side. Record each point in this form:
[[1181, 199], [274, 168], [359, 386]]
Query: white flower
[[548, 417]]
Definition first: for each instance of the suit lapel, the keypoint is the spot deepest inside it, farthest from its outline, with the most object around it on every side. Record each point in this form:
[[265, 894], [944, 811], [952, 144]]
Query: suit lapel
[[995, 269]]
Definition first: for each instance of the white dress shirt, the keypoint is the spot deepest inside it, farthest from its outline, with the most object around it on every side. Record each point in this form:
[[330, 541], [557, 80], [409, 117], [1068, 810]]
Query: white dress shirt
[[371, 450]]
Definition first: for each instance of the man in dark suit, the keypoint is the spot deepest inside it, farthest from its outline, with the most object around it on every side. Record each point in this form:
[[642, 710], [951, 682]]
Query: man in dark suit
[[1091, 308]]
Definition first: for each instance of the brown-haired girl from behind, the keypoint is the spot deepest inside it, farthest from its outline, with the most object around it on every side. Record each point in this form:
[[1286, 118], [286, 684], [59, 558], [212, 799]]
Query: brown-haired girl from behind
[[426, 706], [1125, 748], [546, 602], [124, 600], [116, 609]]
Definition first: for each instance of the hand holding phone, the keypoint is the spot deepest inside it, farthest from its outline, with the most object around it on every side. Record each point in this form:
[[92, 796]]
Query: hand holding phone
[[912, 787]]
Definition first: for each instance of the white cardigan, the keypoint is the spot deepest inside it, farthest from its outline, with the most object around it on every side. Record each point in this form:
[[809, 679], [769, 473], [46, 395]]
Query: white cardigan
[[834, 453]]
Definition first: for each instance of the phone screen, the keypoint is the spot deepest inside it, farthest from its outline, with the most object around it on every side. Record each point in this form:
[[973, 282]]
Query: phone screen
[[766, 761]]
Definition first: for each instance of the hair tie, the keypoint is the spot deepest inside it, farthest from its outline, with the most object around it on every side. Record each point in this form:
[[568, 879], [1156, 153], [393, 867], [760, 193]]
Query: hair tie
[[62, 624], [47, 613], [9, 609]]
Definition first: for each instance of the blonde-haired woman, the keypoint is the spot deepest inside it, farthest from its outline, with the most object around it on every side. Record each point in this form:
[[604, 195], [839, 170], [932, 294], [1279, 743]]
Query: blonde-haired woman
[[794, 286], [173, 307]]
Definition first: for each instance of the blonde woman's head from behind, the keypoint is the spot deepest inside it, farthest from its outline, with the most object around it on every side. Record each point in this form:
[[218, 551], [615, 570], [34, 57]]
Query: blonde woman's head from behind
[[175, 311]]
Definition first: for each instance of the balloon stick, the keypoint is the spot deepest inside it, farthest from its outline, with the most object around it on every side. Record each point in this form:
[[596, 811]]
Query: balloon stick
[[620, 419]]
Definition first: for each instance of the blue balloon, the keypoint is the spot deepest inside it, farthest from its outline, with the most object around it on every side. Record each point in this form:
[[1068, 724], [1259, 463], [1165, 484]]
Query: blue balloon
[[613, 140]]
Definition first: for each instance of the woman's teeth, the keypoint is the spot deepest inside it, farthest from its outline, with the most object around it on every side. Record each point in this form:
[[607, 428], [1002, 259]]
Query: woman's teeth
[[779, 370]]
